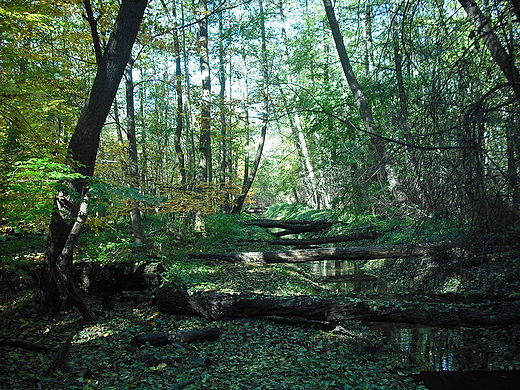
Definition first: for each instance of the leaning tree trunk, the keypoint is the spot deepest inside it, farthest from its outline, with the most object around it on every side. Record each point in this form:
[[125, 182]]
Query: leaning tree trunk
[[500, 55], [83, 149], [249, 179], [363, 107]]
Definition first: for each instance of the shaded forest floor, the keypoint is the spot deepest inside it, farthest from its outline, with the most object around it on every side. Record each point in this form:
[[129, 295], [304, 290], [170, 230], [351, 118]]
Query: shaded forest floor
[[250, 353]]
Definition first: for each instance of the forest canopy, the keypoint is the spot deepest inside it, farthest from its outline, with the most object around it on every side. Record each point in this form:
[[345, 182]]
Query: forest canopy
[[231, 102]]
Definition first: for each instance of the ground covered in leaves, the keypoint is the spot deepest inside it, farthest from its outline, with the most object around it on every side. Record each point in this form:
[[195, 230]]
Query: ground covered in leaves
[[250, 354]]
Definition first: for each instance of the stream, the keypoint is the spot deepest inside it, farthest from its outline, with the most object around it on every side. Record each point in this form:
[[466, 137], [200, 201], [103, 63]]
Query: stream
[[447, 358]]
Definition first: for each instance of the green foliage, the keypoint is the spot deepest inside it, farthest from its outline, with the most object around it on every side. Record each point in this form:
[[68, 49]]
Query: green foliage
[[225, 233], [225, 276], [296, 211], [29, 192]]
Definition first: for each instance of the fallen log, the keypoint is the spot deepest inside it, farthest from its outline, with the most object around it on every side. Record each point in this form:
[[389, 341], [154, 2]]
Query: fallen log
[[439, 251], [176, 336], [304, 309], [25, 345], [348, 253], [325, 240], [292, 226], [215, 305]]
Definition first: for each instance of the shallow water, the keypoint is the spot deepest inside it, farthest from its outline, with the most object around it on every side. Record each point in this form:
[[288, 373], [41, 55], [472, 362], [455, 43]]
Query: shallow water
[[428, 349]]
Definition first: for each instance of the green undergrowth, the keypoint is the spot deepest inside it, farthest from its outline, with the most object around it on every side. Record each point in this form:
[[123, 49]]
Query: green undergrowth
[[225, 276], [250, 353]]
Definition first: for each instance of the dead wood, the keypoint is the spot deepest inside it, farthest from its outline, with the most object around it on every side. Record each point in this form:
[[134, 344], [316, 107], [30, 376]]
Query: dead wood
[[61, 360], [348, 253], [118, 277], [214, 305], [300, 309], [291, 226], [176, 336], [439, 251], [325, 240]]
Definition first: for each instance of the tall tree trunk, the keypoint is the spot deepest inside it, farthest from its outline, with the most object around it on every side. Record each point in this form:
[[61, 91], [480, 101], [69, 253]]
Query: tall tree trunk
[[297, 130], [362, 104], [225, 139], [500, 55], [205, 122], [179, 127], [367, 37], [133, 162], [249, 179], [83, 149]]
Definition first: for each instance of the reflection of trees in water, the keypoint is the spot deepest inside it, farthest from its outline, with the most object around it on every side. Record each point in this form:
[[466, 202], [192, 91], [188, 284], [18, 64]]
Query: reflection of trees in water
[[428, 348], [433, 349], [354, 282]]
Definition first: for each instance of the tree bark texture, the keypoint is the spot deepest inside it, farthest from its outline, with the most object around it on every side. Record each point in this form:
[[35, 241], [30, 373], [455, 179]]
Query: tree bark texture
[[83, 146], [214, 305]]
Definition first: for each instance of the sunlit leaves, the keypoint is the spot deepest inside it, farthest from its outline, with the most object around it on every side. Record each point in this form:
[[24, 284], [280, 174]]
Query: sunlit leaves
[[29, 191]]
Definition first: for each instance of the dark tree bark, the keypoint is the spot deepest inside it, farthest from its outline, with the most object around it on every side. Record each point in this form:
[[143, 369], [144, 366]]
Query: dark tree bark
[[500, 55], [83, 149], [92, 21], [214, 305], [133, 158]]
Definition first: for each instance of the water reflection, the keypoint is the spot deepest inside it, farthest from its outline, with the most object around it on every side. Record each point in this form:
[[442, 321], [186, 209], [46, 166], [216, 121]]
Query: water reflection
[[431, 348], [344, 276], [426, 348]]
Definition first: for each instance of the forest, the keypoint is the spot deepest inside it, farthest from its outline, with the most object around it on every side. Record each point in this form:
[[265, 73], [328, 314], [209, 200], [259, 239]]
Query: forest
[[259, 194]]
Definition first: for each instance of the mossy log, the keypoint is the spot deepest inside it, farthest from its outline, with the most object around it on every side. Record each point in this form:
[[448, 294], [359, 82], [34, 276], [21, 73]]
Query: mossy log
[[216, 305]]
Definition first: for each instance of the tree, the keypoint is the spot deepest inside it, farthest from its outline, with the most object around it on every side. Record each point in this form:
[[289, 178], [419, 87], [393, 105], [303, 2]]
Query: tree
[[502, 58], [205, 121], [133, 166], [249, 177], [363, 106], [57, 288]]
